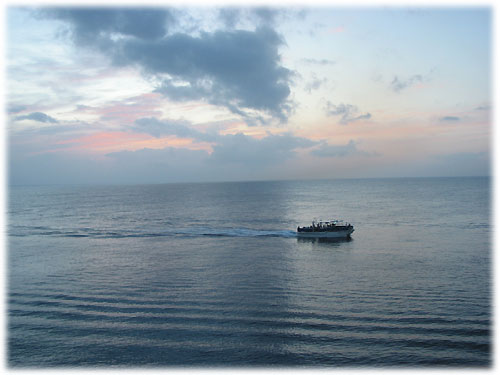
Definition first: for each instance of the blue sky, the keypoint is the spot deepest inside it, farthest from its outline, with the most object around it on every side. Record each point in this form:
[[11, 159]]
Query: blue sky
[[153, 95]]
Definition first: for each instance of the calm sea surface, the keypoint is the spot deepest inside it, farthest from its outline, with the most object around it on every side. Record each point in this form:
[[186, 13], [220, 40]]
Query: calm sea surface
[[213, 275]]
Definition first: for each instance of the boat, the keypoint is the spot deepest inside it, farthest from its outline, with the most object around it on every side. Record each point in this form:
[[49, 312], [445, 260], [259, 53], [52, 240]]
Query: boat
[[326, 229]]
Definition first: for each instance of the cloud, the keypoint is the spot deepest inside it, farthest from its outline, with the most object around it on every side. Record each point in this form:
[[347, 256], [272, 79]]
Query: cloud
[[16, 108], [230, 148], [266, 15], [397, 84], [37, 116], [91, 25], [237, 69], [234, 157], [166, 157], [318, 61], [229, 16], [449, 119], [339, 151], [240, 17], [126, 110], [483, 108], [315, 83], [242, 149], [348, 113], [180, 128]]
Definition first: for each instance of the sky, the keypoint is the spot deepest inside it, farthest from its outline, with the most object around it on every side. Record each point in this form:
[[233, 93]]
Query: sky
[[128, 94]]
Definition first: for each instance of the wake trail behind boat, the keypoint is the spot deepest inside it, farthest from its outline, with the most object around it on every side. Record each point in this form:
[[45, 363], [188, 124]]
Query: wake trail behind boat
[[244, 232], [137, 233]]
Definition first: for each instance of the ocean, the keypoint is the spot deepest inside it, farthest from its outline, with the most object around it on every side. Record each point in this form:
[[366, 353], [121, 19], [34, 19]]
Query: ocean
[[213, 275]]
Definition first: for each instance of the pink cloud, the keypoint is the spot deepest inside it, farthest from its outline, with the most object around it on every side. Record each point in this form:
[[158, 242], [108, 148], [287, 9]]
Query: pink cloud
[[105, 142], [129, 110], [125, 111]]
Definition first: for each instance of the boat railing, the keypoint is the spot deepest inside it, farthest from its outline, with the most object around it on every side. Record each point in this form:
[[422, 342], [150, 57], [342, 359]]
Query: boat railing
[[320, 226]]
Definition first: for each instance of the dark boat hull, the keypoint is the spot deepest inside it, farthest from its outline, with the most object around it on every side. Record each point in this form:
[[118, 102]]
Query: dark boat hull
[[327, 234]]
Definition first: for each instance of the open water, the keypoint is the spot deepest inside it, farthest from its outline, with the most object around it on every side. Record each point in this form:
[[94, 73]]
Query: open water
[[213, 275]]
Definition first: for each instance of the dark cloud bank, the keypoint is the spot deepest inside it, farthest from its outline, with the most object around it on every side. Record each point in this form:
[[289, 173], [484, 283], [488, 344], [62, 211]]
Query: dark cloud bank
[[231, 148], [243, 149], [238, 69], [233, 157], [340, 151]]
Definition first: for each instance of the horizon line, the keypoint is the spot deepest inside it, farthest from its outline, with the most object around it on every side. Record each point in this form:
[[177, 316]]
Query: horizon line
[[242, 181]]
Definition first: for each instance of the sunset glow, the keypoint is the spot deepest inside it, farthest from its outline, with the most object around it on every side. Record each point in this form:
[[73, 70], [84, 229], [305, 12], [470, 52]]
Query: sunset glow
[[353, 90]]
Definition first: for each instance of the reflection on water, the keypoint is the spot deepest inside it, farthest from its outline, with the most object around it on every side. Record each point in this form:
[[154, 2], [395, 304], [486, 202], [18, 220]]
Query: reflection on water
[[324, 240]]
